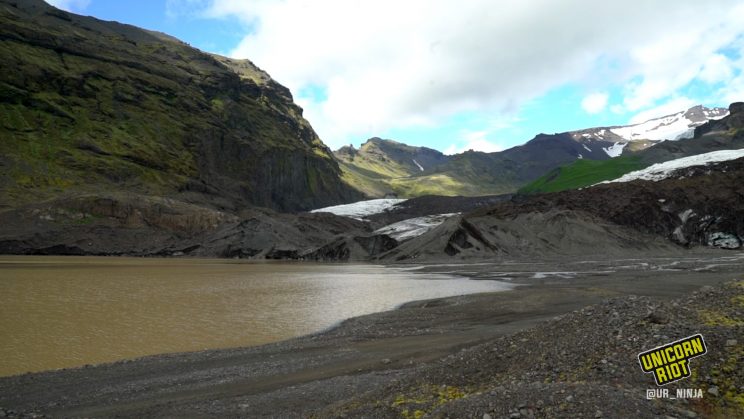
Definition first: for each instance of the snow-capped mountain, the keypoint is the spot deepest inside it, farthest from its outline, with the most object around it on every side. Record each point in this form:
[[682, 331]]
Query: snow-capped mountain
[[613, 140]]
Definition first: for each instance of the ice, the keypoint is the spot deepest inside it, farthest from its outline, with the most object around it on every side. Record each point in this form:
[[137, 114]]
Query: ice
[[716, 114], [661, 171], [361, 209], [724, 240], [413, 227]]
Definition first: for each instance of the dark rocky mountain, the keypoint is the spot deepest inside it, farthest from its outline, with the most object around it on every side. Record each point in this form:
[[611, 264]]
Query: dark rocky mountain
[[90, 106]]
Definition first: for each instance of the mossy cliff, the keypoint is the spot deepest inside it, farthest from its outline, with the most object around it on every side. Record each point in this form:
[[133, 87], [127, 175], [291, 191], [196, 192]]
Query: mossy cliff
[[88, 106]]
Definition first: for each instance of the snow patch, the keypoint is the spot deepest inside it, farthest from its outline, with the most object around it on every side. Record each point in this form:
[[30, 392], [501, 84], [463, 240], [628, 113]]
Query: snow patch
[[417, 164], [662, 171], [666, 128], [716, 113], [615, 149], [671, 127], [587, 148], [413, 227], [361, 209]]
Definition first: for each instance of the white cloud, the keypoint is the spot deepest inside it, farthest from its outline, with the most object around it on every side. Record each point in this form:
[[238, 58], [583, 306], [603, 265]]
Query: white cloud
[[687, 51], [595, 102], [75, 6], [733, 89], [667, 108], [390, 64], [716, 69], [473, 140]]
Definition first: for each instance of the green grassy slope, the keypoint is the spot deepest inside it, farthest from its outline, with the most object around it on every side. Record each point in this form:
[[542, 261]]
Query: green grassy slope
[[583, 173]]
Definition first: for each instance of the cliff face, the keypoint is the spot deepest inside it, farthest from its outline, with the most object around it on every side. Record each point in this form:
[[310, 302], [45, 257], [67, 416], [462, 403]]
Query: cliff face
[[88, 106]]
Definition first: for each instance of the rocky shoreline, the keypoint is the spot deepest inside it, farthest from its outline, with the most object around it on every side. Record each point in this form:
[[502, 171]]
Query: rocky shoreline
[[561, 345]]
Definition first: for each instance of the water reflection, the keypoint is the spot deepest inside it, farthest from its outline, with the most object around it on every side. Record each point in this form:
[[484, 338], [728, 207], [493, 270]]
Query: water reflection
[[67, 311]]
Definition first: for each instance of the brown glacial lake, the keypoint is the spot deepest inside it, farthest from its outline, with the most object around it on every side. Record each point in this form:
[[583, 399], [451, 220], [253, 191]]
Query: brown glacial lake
[[58, 312]]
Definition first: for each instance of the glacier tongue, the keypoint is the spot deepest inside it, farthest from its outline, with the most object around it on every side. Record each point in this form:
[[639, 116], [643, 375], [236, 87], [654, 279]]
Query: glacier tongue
[[361, 209], [664, 170]]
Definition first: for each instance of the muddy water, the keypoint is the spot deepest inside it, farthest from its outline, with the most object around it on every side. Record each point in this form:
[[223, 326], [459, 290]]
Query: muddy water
[[60, 312]]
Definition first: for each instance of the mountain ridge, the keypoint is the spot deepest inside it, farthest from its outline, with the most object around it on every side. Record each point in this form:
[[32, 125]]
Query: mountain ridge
[[390, 168]]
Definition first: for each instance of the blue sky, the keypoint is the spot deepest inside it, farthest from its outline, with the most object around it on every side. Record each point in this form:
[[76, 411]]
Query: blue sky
[[458, 76]]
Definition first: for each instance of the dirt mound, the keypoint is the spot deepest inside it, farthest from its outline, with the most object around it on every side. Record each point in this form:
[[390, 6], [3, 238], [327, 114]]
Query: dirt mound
[[526, 235]]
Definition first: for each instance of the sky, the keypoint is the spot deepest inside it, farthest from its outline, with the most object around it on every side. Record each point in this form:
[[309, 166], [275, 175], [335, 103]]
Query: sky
[[466, 74]]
